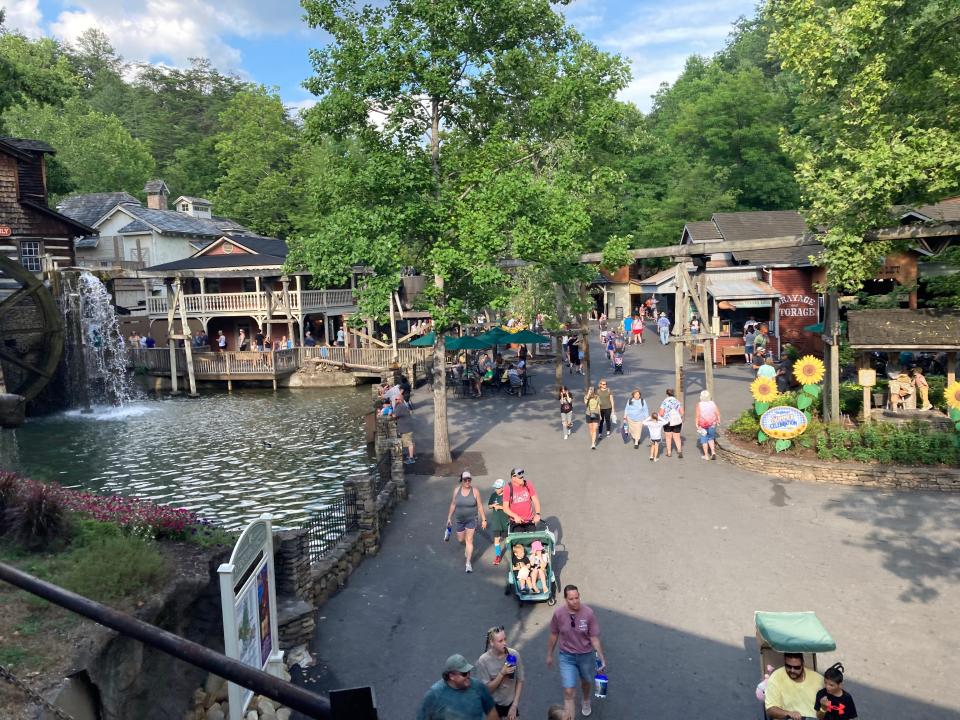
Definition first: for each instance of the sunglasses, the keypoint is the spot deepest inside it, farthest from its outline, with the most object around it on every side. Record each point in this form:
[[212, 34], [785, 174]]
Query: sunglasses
[[795, 668], [573, 621]]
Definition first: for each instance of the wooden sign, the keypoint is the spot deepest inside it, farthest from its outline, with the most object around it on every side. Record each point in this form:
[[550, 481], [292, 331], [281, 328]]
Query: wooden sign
[[5, 231], [866, 377]]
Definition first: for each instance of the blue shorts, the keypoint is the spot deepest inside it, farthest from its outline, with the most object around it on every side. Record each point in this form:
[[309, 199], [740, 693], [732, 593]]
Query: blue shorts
[[460, 526], [574, 664], [711, 434]]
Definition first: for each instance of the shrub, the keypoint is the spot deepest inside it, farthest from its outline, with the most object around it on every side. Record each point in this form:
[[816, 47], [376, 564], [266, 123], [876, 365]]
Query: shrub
[[110, 566], [746, 426], [38, 518]]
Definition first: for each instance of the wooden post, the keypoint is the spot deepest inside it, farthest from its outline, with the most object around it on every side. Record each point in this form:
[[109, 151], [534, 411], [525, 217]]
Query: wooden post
[[285, 283], [171, 341], [863, 363], [951, 367], [832, 389], [300, 305], [680, 308], [229, 373], [393, 330], [187, 342], [706, 325]]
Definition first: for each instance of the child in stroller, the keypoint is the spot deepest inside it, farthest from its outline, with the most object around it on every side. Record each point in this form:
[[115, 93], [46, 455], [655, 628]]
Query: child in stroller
[[618, 362], [522, 568]]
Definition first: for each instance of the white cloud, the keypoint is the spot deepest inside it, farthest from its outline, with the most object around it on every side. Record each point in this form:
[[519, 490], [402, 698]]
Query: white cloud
[[23, 15], [176, 30]]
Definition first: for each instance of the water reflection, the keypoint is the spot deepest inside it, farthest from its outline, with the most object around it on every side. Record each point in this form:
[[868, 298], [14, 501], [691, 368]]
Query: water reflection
[[227, 457]]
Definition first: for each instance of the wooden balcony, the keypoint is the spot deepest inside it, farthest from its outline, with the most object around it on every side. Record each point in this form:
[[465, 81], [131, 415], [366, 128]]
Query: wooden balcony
[[252, 303]]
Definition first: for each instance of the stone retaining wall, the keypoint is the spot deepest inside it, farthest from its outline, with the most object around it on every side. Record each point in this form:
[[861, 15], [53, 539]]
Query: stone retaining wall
[[302, 585], [907, 477]]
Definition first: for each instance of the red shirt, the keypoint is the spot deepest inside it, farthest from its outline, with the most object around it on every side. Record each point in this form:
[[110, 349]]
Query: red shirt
[[519, 499]]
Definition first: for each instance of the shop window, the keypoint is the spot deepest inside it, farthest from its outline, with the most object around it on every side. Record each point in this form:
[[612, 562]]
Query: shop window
[[30, 255]]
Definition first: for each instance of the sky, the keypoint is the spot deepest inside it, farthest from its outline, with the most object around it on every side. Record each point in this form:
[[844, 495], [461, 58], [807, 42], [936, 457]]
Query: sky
[[268, 42]]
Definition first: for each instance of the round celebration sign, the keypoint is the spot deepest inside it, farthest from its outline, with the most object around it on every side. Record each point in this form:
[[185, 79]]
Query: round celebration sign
[[783, 422]]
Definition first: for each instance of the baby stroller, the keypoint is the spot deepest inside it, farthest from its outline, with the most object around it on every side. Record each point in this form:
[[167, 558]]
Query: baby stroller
[[549, 541], [618, 362]]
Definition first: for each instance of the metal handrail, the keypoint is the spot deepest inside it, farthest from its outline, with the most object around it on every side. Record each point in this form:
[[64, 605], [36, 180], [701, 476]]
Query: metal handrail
[[297, 698]]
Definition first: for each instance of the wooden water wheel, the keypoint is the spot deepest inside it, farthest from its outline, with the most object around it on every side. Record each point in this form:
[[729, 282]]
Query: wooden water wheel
[[31, 331]]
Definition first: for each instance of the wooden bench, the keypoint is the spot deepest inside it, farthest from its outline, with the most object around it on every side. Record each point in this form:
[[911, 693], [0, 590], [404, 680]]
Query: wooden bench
[[732, 351]]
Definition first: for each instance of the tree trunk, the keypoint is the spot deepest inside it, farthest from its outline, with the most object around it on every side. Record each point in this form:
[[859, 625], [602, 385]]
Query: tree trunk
[[561, 313], [441, 437], [585, 343]]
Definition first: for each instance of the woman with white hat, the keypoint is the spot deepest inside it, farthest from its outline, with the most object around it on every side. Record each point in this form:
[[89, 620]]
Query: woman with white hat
[[465, 506]]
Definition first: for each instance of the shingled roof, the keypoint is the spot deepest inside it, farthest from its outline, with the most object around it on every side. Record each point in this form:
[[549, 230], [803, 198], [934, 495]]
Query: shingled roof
[[947, 210], [904, 329], [758, 224], [90, 207], [171, 221], [29, 145], [792, 256], [702, 231]]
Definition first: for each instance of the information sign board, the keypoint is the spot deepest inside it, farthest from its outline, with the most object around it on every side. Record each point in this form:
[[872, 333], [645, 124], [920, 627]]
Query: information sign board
[[783, 422]]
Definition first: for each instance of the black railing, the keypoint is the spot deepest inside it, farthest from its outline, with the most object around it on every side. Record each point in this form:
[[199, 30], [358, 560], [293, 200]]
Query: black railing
[[325, 526], [382, 473]]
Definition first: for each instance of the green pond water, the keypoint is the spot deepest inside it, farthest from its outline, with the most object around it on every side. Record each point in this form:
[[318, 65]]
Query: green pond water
[[229, 457]]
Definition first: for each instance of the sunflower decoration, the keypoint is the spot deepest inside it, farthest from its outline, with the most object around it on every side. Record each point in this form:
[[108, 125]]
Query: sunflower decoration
[[809, 370], [763, 389], [952, 395]]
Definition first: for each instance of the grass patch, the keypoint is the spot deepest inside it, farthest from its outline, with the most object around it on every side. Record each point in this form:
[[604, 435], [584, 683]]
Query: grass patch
[[13, 656]]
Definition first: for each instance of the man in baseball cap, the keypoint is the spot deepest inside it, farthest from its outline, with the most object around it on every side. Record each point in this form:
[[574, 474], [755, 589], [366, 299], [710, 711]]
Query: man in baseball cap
[[456, 697]]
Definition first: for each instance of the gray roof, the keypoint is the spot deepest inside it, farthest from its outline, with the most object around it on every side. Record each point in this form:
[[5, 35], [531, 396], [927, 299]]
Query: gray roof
[[194, 200], [947, 210], [793, 256], [135, 226], [759, 224], [26, 144], [702, 231], [261, 245], [223, 262], [91, 241], [156, 186], [176, 223], [935, 329], [90, 207]]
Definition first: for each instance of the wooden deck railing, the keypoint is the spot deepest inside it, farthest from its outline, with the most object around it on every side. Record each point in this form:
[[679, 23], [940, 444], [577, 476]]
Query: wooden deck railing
[[282, 362], [252, 302]]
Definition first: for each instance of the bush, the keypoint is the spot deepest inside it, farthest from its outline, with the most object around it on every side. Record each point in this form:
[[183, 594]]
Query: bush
[[38, 518], [110, 565], [746, 426], [913, 444]]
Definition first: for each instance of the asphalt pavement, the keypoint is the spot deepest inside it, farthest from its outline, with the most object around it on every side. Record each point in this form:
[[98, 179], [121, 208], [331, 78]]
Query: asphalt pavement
[[674, 557]]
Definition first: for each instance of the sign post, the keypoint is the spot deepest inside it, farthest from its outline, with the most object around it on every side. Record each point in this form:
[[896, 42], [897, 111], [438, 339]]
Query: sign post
[[248, 599]]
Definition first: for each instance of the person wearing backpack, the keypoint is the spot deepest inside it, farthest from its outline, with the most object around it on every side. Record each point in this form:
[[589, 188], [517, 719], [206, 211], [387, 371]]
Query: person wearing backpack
[[521, 503]]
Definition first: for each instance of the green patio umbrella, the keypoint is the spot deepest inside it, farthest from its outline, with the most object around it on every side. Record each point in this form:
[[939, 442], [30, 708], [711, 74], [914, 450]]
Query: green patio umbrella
[[528, 337], [425, 340], [466, 342], [497, 336]]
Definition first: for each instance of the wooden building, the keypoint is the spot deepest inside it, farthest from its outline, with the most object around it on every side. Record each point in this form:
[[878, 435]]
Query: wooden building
[[31, 232]]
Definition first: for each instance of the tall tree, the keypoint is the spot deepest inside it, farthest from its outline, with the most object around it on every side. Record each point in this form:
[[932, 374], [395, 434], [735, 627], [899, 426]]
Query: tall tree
[[95, 153], [33, 70], [878, 115], [435, 96], [255, 151]]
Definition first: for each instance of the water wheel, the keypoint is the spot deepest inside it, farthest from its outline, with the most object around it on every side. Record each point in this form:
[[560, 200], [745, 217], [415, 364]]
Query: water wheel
[[31, 331]]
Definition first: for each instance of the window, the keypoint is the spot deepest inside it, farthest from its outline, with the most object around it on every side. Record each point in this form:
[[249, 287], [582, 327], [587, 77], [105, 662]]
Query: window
[[249, 284], [30, 255], [184, 207]]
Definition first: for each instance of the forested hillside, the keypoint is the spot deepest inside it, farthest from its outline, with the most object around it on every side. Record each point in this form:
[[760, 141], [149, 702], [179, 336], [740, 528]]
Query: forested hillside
[[710, 143]]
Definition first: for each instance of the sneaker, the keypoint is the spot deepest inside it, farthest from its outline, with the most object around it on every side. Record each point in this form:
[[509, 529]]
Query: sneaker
[[409, 461], [704, 457], [713, 457], [497, 559], [469, 568], [656, 459], [593, 447], [679, 454], [650, 459], [585, 708], [608, 433]]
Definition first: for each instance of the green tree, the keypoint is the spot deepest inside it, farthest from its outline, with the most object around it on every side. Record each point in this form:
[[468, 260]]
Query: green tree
[[95, 153], [255, 150], [100, 72], [457, 178], [878, 115], [37, 71]]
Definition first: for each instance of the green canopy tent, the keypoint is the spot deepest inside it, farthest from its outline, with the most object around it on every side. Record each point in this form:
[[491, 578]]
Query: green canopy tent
[[497, 336], [424, 341], [528, 337]]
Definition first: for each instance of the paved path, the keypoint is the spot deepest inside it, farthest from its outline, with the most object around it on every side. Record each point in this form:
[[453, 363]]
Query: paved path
[[674, 557]]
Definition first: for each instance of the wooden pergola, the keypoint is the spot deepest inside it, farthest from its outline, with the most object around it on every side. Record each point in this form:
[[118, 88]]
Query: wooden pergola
[[896, 330]]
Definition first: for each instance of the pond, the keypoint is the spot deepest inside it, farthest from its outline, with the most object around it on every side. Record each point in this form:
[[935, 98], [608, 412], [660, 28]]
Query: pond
[[228, 457]]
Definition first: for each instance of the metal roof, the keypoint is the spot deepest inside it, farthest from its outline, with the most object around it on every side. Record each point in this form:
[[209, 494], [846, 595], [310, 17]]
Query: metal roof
[[794, 256], [758, 224], [739, 286]]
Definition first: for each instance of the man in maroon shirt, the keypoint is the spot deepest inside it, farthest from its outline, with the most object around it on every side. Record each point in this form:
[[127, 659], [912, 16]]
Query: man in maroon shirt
[[575, 627]]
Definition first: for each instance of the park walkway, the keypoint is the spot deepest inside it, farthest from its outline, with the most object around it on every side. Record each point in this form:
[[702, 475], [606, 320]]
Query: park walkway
[[674, 557]]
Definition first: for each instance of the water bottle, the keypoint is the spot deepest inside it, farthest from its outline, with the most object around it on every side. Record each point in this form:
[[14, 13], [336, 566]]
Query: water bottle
[[446, 534], [600, 682]]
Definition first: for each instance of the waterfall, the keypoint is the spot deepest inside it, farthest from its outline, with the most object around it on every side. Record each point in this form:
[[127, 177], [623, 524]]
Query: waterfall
[[96, 370]]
